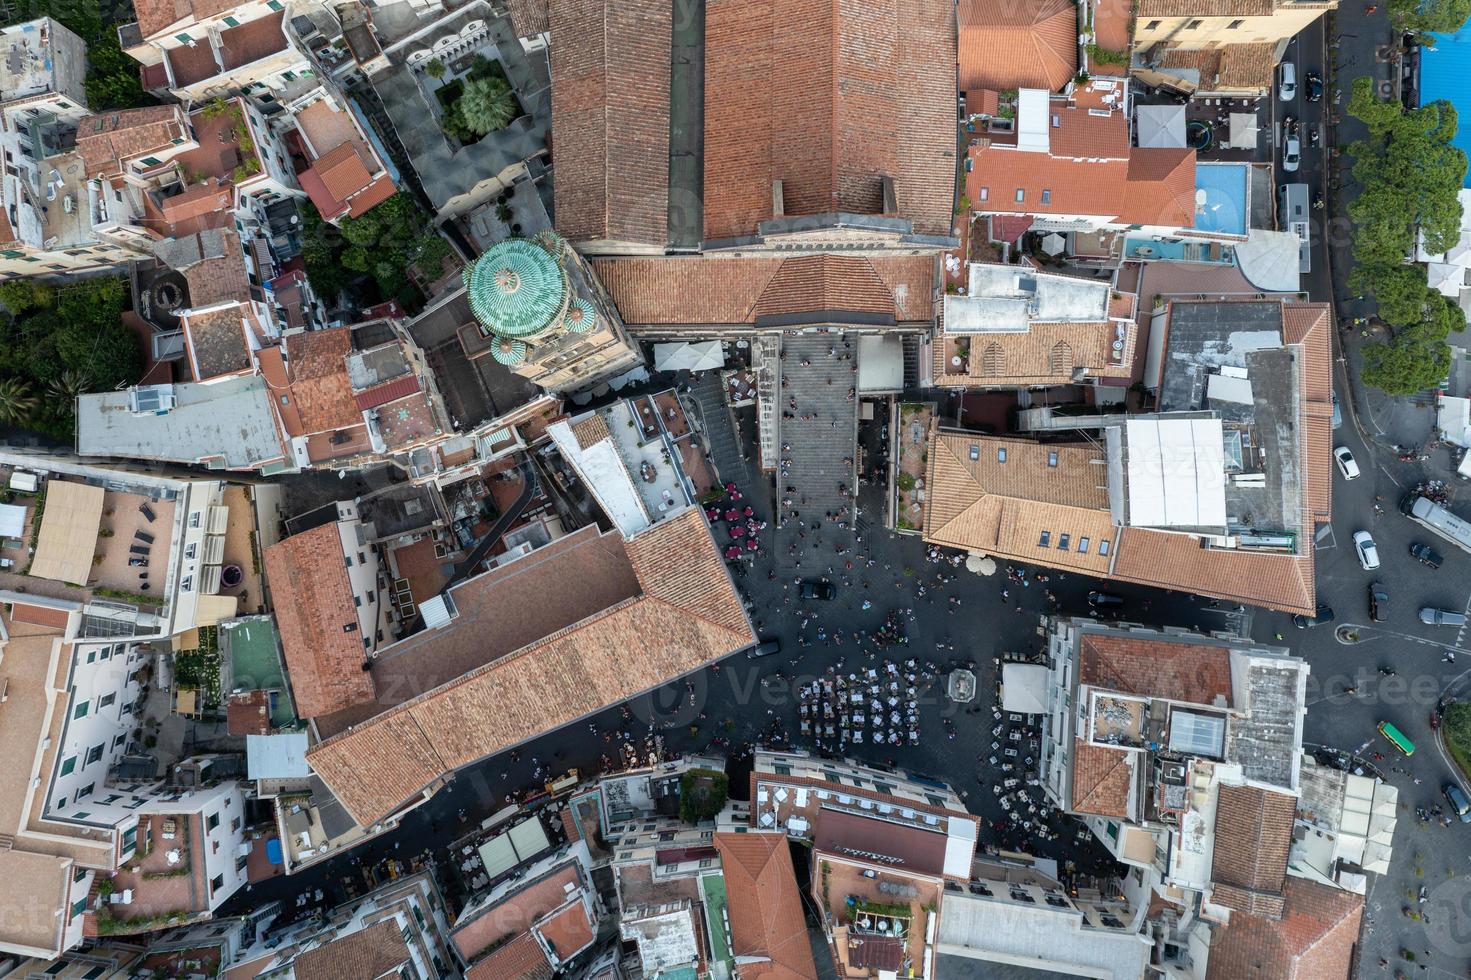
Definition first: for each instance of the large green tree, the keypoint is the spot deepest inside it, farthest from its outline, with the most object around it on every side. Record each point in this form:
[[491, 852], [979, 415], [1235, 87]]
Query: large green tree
[[1429, 16], [486, 105]]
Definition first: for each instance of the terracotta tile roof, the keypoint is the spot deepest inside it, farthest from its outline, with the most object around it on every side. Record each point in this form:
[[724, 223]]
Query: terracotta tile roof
[[1314, 939], [1232, 68], [196, 201], [520, 959], [109, 139], [610, 119], [529, 17], [249, 713], [156, 15], [343, 171], [726, 290], [591, 431], [220, 280], [388, 391], [1017, 45], [1308, 324], [1155, 668], [1252, 837], [1047, 353], [567, 930], [516, 912], [314, 610], [363, 955], [380, 190], [828, 97], [1101, 780], [252, 41], [1177, 561], [1206, 8], [319, 385], [1089, 169], [192, 63], [764, 908], [217, 344], [685, 614]]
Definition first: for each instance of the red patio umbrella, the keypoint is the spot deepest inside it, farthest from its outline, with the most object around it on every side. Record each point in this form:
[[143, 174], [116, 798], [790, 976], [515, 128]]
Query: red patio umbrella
[[738, 531], [732, 552], [752, 544], [749, 510], [731, 515]]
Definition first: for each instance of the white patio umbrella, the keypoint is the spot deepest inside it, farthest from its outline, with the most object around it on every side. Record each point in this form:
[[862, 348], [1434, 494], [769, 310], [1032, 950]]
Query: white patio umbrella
[[1054, 244]]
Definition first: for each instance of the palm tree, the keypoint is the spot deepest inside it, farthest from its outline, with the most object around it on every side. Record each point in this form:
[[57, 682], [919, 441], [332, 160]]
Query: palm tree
[[487, 105], [16, 401], [63, 391]]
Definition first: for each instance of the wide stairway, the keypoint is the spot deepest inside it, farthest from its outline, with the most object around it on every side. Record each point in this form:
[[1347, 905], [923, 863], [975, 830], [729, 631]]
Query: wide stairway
[[816, 441]]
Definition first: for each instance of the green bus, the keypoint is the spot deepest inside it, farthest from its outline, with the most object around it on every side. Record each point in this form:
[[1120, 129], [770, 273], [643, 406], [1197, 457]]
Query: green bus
[[1396, 738]]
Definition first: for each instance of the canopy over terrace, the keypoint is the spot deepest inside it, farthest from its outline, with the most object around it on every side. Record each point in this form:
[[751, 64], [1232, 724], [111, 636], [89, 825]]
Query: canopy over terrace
[[1024, 688], [701, 356], [68, 535]]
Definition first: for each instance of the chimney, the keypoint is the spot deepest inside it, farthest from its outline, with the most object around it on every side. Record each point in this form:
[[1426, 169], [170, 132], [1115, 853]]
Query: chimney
[[778, 204]]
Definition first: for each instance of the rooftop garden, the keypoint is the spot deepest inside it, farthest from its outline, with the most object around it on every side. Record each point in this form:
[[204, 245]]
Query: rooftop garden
[[370, 256], [914, 424], [199, 669], [477, 104]]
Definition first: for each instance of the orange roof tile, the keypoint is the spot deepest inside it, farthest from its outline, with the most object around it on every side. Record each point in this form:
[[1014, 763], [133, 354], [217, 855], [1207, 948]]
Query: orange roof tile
[[217, 344], [1252, 839], [154, 16], [1313, 940], [109, 139], [363, 955], [828, 97], [342, 171], [685, 614], [567, 931], [515, 913], [318, 620], [765, 910], [1177, 561], [610, 119], [1155, 668], [319, 384], [520, 959], [680, 290], [1101, 780], [1006, 45]]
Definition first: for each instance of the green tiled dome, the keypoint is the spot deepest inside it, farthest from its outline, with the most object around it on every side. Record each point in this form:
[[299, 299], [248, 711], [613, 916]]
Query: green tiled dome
[[580, 316], [516, 289], [508, 351]]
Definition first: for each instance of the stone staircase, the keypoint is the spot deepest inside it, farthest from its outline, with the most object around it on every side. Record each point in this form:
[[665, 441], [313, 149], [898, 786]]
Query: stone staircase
[[816, 447], [719, 430]]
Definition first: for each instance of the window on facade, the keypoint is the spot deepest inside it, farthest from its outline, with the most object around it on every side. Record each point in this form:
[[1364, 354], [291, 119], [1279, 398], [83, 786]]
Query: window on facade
[[1000, 454], [1045, 539], [94, 754], [1082, 546], [85, 792], [232, 22], [1194, 25], [1046, 196], [985, 193], [183, 38], [1021, 195], [1103, 547], [106, 700], [1234, 24], [117, 742], [216, 883], [79, 907], [68, 766], [212, 821], [80, 711], [1062, 542], [1051, 457], [1152, 26], [152, 162]]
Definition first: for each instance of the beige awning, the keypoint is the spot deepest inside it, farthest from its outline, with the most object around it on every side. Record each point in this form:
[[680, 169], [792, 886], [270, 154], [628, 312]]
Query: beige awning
[[68, 537]]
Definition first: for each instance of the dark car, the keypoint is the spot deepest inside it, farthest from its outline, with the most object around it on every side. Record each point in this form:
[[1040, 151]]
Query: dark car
[[817, 590], [1426, 555], [1314, 83], [1378, 602], [1323, 615], [1458, 801], [1105, 600], [765, 649]]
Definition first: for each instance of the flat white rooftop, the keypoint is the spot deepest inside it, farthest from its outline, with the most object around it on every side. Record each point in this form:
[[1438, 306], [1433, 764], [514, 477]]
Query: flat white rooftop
[[1009, 299]]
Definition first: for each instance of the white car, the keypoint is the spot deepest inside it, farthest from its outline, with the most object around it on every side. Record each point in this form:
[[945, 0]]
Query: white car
[[1291, 154], [1368, 554], [1347, 465], [1287, 81]]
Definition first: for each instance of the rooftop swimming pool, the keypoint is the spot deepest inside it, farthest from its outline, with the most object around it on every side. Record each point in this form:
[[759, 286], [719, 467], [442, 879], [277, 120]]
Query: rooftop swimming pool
[[1443, 72], [1221, 197]]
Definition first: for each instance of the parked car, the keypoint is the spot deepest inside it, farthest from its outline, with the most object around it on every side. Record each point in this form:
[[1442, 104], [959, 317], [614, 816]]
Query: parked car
[[1431, 616], [765, 649], [1378, 602], [1291, 154], [1368, 553], [1287, 81], [1314, 83], [817, 590], [1323, 615], [1105, 600], [1425, 555], [1347, 465], [1458, 801]]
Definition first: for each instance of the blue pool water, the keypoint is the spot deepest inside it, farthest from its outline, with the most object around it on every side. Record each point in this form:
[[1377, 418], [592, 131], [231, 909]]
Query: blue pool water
[[1224, 209], [1444, 68]]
